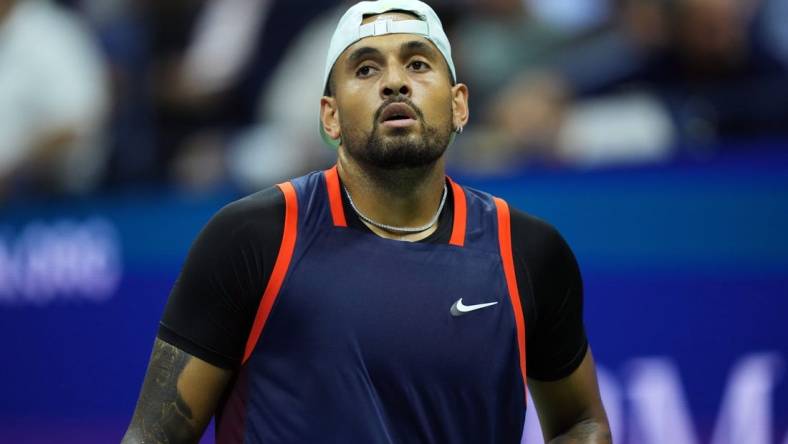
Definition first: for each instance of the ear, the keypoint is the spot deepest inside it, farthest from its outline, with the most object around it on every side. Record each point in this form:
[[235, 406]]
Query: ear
[[459, 104], [329, 116]]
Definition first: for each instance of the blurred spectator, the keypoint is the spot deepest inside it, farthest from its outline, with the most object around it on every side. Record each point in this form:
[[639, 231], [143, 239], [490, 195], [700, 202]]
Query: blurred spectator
[[197, 65], [500, 47], [210, 61], [706, 66], [659, 75], [285, 141], [123, 33], [207, 91], [53, 99], [570, 16]]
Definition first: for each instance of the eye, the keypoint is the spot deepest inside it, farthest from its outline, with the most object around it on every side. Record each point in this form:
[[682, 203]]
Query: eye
[[419, 65], [365, 71]]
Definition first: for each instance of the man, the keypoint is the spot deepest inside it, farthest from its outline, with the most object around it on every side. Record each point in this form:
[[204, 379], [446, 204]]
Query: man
[[377, 301]]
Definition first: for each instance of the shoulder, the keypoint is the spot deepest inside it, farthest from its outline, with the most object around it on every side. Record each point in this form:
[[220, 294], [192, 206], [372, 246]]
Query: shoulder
[[257, 219], [263, 201], [537, 235], [531, 236], [256, 210], [543, 253]]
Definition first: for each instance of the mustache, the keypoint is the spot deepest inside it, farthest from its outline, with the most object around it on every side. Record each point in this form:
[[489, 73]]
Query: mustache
[[398, 99]]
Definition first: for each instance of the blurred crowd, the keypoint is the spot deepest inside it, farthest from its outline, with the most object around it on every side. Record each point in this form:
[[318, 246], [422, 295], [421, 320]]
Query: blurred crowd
[[200, 94]]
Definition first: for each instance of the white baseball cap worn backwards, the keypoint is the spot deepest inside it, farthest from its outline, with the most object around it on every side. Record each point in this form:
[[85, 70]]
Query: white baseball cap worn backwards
[[350, 30]]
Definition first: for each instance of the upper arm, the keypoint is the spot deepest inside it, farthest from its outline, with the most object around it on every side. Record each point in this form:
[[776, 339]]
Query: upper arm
[[178, 397], [212, 305], [206, 320], [568, 402], [561, 375], [551, 289]]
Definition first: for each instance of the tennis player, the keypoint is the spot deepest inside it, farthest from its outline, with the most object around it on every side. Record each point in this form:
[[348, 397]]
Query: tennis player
[[377, 301]]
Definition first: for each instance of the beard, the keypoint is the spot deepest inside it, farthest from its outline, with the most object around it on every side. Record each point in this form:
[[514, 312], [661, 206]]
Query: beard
[[401, 148]]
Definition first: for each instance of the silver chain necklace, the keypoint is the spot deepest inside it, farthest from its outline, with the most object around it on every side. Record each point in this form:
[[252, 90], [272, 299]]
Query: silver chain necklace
[[393, 229]]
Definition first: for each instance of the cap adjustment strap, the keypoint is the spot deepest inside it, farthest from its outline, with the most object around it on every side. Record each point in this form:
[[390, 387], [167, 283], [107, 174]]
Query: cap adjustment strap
[[383, 27]]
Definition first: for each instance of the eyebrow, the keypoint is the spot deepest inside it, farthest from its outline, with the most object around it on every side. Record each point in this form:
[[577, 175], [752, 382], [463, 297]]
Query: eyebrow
[[362, 53], [409, 47], [417, 46]]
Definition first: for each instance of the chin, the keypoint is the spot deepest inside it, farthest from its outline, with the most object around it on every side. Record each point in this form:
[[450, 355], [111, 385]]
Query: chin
[[398, 148]]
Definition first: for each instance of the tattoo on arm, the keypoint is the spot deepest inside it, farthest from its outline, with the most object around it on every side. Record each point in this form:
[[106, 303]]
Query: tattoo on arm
[[162, 416]]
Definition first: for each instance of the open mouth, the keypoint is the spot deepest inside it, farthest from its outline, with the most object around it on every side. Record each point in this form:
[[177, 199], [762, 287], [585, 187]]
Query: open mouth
[[398, 115]]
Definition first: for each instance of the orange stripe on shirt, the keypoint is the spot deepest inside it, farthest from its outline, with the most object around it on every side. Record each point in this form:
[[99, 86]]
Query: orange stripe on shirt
[[505, 243], [460, 215], [280, 268], [335, 197]]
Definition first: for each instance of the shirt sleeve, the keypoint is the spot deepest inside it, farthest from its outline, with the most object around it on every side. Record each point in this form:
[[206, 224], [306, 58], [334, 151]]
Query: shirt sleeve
[[212, 305], [551, 290]]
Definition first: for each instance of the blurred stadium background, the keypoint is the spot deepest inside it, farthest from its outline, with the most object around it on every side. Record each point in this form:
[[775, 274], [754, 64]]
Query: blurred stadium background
[[652, 133]]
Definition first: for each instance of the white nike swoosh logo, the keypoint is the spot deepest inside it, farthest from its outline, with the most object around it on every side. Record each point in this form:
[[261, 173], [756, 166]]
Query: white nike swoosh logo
[[459, 309]]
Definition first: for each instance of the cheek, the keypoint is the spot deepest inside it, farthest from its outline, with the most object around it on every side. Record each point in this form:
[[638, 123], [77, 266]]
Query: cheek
[[437, 107], [357, 109]]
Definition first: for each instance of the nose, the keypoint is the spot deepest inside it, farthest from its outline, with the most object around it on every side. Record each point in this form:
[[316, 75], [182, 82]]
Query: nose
[[395, 83]]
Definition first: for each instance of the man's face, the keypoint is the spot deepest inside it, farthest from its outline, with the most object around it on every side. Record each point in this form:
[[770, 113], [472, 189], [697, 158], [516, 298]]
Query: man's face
[[394, 100]]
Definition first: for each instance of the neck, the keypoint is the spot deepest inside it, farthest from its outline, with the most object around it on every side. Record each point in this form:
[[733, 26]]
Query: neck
[[402, 198]]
